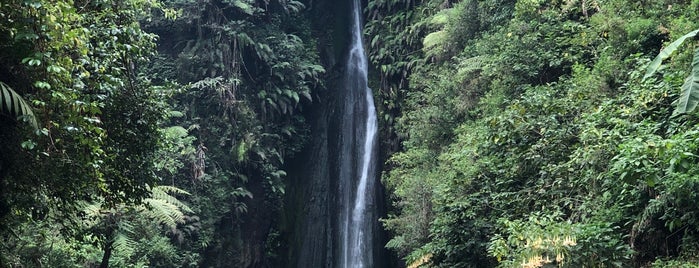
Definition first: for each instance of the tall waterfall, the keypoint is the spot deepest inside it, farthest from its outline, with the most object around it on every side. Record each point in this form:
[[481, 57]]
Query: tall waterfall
[[357, 179]]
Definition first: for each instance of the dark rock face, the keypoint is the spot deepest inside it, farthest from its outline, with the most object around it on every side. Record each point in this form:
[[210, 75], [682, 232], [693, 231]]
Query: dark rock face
[[307, 228], [312, 234], [311, 202]]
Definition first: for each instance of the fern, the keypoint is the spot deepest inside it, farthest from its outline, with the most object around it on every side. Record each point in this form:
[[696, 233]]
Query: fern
[[434, 43], [125, 241], [442, 18], [163, 193], [168, 189], [470, 65], [161, 208], [14, 105], [163, 213], [292, 7], [244, 6], [434, 39], [164, 208]]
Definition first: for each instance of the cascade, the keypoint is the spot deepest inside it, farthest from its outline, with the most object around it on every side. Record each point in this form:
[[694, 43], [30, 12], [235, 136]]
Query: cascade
[[334, 202], [357, 158]]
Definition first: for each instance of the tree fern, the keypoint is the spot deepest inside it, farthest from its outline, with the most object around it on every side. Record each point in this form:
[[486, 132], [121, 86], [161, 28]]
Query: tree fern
[[244, 6], [125, 241], [161, 208], [162, 212], [292, 7], [164, 208]]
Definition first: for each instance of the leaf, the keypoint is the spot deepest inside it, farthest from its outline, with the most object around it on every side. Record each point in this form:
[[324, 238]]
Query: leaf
[[164, 208], [241, 151], [124, 242], [690, 89], [242, 192], [28, 144], [434, 39], [175, 132], [244, 7], [665, 53], [307, 95], [442, 18], [14, 105], [294, 6]]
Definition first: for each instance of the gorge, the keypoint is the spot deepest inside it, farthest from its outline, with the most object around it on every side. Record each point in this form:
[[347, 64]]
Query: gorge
[[244, 133]]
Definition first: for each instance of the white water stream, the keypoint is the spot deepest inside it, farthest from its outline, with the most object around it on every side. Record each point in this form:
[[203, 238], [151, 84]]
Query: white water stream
[[359, 127]]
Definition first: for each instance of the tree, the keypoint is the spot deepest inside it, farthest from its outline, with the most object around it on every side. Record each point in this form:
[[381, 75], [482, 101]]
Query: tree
[[119, 229]]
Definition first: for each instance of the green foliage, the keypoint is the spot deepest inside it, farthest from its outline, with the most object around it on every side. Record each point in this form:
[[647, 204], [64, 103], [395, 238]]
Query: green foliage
[[546, 240], [41, 243], [518, 131], [217, 113], [248, 69], [13, 105], [127, 230], [77, 69], [666, 52], [675, 263], [689, 97], [533, 121], [80, 67]]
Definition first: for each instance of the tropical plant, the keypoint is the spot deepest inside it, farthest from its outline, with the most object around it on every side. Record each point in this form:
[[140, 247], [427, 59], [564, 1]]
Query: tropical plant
[[689, 97], [540, 110], [121, 228], [13, 105]]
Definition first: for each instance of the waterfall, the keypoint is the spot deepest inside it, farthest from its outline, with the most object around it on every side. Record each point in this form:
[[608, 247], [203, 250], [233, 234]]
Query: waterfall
[[335, 200], [357, 179]]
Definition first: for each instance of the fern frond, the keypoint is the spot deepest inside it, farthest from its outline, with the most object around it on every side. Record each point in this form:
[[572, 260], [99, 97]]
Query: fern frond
[[163, 213], [434, 39], [294, 7], [92, 209], [471, 64], [170, 189], [163, 193], [244, 7], [124, 244]]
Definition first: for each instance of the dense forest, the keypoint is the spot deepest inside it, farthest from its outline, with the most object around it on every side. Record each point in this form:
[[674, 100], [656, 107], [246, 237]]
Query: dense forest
[[513, 133]]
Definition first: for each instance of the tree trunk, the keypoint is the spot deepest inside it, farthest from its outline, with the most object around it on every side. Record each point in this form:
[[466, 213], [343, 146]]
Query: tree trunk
[[108, 245], [107, 254]]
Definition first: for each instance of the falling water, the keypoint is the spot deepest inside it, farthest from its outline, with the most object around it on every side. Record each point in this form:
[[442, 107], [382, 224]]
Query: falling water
[[357, 158]]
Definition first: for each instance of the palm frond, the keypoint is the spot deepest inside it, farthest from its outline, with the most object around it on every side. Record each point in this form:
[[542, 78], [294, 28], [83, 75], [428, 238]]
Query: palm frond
[[14, 105]]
